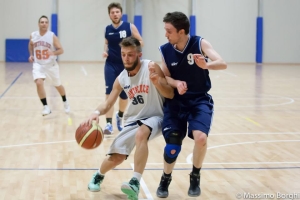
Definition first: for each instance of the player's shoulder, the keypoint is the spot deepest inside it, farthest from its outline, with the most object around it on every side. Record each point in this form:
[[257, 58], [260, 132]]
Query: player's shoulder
[[196, 37], [165, 46], [146, 62], [109, 26], [34, 33], [50, 33], [126, 23], [123, 73]]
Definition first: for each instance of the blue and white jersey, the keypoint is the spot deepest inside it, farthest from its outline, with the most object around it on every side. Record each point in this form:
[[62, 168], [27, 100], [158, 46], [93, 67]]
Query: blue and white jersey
[[182, 67], [114, 36]]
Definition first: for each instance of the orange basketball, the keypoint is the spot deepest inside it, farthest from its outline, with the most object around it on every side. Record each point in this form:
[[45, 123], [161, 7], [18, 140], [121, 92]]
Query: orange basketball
[[89, 136]]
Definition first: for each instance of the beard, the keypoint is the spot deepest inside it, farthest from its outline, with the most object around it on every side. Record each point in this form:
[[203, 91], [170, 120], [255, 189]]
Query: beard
[[116, 22], [136, 62]]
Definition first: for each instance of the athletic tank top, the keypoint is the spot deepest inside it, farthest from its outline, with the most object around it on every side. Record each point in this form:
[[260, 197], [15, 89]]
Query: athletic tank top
[[41, 44], [182, 67], [114, 36], [144, 99]]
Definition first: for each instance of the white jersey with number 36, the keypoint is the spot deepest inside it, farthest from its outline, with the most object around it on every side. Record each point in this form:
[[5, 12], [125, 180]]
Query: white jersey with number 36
[[144, 99], [41, 45]]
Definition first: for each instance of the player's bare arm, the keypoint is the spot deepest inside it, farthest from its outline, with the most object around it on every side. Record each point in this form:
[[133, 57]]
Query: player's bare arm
[[59, 50], [104, 108], [157, 77], [30, 49], [136, 34], [180, 85], [105, 54], [217, 63]]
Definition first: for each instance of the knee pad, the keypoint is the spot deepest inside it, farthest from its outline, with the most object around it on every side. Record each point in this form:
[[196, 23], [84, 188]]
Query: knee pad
[[173, 143]]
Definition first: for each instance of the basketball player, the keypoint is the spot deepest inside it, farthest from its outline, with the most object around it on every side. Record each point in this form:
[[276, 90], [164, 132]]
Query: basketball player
[[186, 69], [44, 47], [145, 85], [114, 33]]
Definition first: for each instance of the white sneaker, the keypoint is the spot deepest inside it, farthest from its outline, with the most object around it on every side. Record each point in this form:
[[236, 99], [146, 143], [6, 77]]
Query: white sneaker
[[46, 110], [67, 107], [108, 130]]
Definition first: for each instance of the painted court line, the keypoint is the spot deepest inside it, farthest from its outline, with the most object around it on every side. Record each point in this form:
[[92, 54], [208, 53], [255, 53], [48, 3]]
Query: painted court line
[[289, 101], [228, 73], [189, 157], [130, 169], [10, 85], [84, 71], [261, 133], [253, 122], [39, 143], [108, 137], [235, 163], [144, 186], [77, 97]]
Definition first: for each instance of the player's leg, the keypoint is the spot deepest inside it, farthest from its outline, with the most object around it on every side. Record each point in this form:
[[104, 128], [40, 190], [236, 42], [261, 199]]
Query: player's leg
[[148, 126], [200, 121], [122, 101], [122, 106], [53, 73], [118, 152], [110, 75], [40, 89], [108, 164], [174, 129], [108, 129], [39, 77], [131, 188]]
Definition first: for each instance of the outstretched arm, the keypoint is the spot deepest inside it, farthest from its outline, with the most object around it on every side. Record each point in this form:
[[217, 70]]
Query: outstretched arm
[[112, 98], [158, 79], [104, 108]]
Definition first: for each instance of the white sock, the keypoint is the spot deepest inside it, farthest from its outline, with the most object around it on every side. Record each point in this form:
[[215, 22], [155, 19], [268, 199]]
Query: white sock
[[100, 173], [137, 175]]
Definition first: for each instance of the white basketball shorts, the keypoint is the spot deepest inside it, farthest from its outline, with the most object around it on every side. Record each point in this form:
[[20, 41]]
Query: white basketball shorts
[[50, 72], [125, 140]]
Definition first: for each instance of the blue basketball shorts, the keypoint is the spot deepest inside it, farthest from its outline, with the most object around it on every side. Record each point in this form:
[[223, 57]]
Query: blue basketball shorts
[[111, 72], [184, 116]]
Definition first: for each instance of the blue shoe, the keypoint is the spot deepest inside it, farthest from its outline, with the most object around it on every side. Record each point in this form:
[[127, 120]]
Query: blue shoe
[[119, 121], [108, 129], [131, 189], [94, 184]]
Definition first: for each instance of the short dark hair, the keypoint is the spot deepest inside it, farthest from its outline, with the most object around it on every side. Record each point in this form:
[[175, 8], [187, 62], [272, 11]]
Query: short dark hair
[[114, 5], [131, 42], [43, 16], [179, 20]]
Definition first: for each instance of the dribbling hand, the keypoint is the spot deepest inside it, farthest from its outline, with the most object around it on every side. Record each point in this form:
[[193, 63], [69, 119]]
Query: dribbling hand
[[200, 61], [181, 87], [91, 118]]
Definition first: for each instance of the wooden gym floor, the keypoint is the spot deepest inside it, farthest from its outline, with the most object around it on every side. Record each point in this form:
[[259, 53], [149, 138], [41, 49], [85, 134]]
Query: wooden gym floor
[[253, 147]]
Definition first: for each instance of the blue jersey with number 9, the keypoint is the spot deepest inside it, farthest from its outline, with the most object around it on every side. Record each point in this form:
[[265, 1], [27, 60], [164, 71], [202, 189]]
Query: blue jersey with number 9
[[182, 67]]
